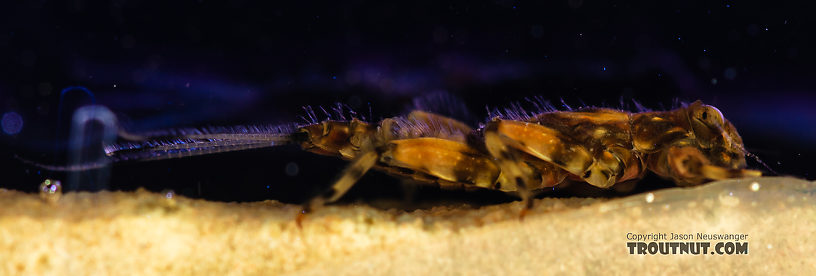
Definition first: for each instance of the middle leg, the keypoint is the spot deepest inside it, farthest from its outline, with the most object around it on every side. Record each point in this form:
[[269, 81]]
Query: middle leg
[[599, 167]]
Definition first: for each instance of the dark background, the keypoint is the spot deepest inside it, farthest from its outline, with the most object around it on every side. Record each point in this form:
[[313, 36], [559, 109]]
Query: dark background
[[198, 63]]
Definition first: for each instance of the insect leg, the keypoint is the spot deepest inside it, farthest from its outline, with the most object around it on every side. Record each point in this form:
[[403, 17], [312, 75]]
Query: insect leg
[[601, 168], [348, 177], [538, 141], [614, 164], [514, 171], [686, 165], [550, 174]]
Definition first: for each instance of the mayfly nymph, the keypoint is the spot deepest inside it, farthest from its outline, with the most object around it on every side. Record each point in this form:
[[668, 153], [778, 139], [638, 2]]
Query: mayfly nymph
[[515, 151]]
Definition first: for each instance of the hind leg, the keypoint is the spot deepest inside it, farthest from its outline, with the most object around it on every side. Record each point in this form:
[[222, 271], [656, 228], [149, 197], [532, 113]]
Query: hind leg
[[348, 177]]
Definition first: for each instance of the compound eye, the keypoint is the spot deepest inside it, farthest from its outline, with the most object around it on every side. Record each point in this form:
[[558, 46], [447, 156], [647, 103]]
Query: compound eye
[[707, 123], [709, 115]]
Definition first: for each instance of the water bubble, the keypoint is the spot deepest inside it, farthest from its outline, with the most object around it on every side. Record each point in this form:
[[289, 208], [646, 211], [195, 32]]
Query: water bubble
[[649, 197], [12, 123], [169, 202], [755, 186], [169, 194], [51, 190], [292, 169]]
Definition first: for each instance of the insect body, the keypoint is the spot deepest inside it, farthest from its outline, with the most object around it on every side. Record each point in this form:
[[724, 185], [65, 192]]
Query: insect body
[[520, 154], [514, 152]]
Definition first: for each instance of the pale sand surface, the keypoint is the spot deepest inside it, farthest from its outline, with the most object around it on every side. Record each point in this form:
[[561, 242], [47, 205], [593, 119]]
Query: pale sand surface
[[144, 233]]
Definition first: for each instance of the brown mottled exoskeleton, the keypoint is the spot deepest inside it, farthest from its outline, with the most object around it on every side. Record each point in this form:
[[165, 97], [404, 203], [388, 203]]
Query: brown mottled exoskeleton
[[600, 146]]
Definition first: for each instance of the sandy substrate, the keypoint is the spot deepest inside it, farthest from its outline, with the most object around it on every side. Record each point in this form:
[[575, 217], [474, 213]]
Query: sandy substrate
[[146, 233]]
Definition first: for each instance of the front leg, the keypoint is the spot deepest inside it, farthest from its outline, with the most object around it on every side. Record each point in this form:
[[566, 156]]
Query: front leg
[[688, 166]]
